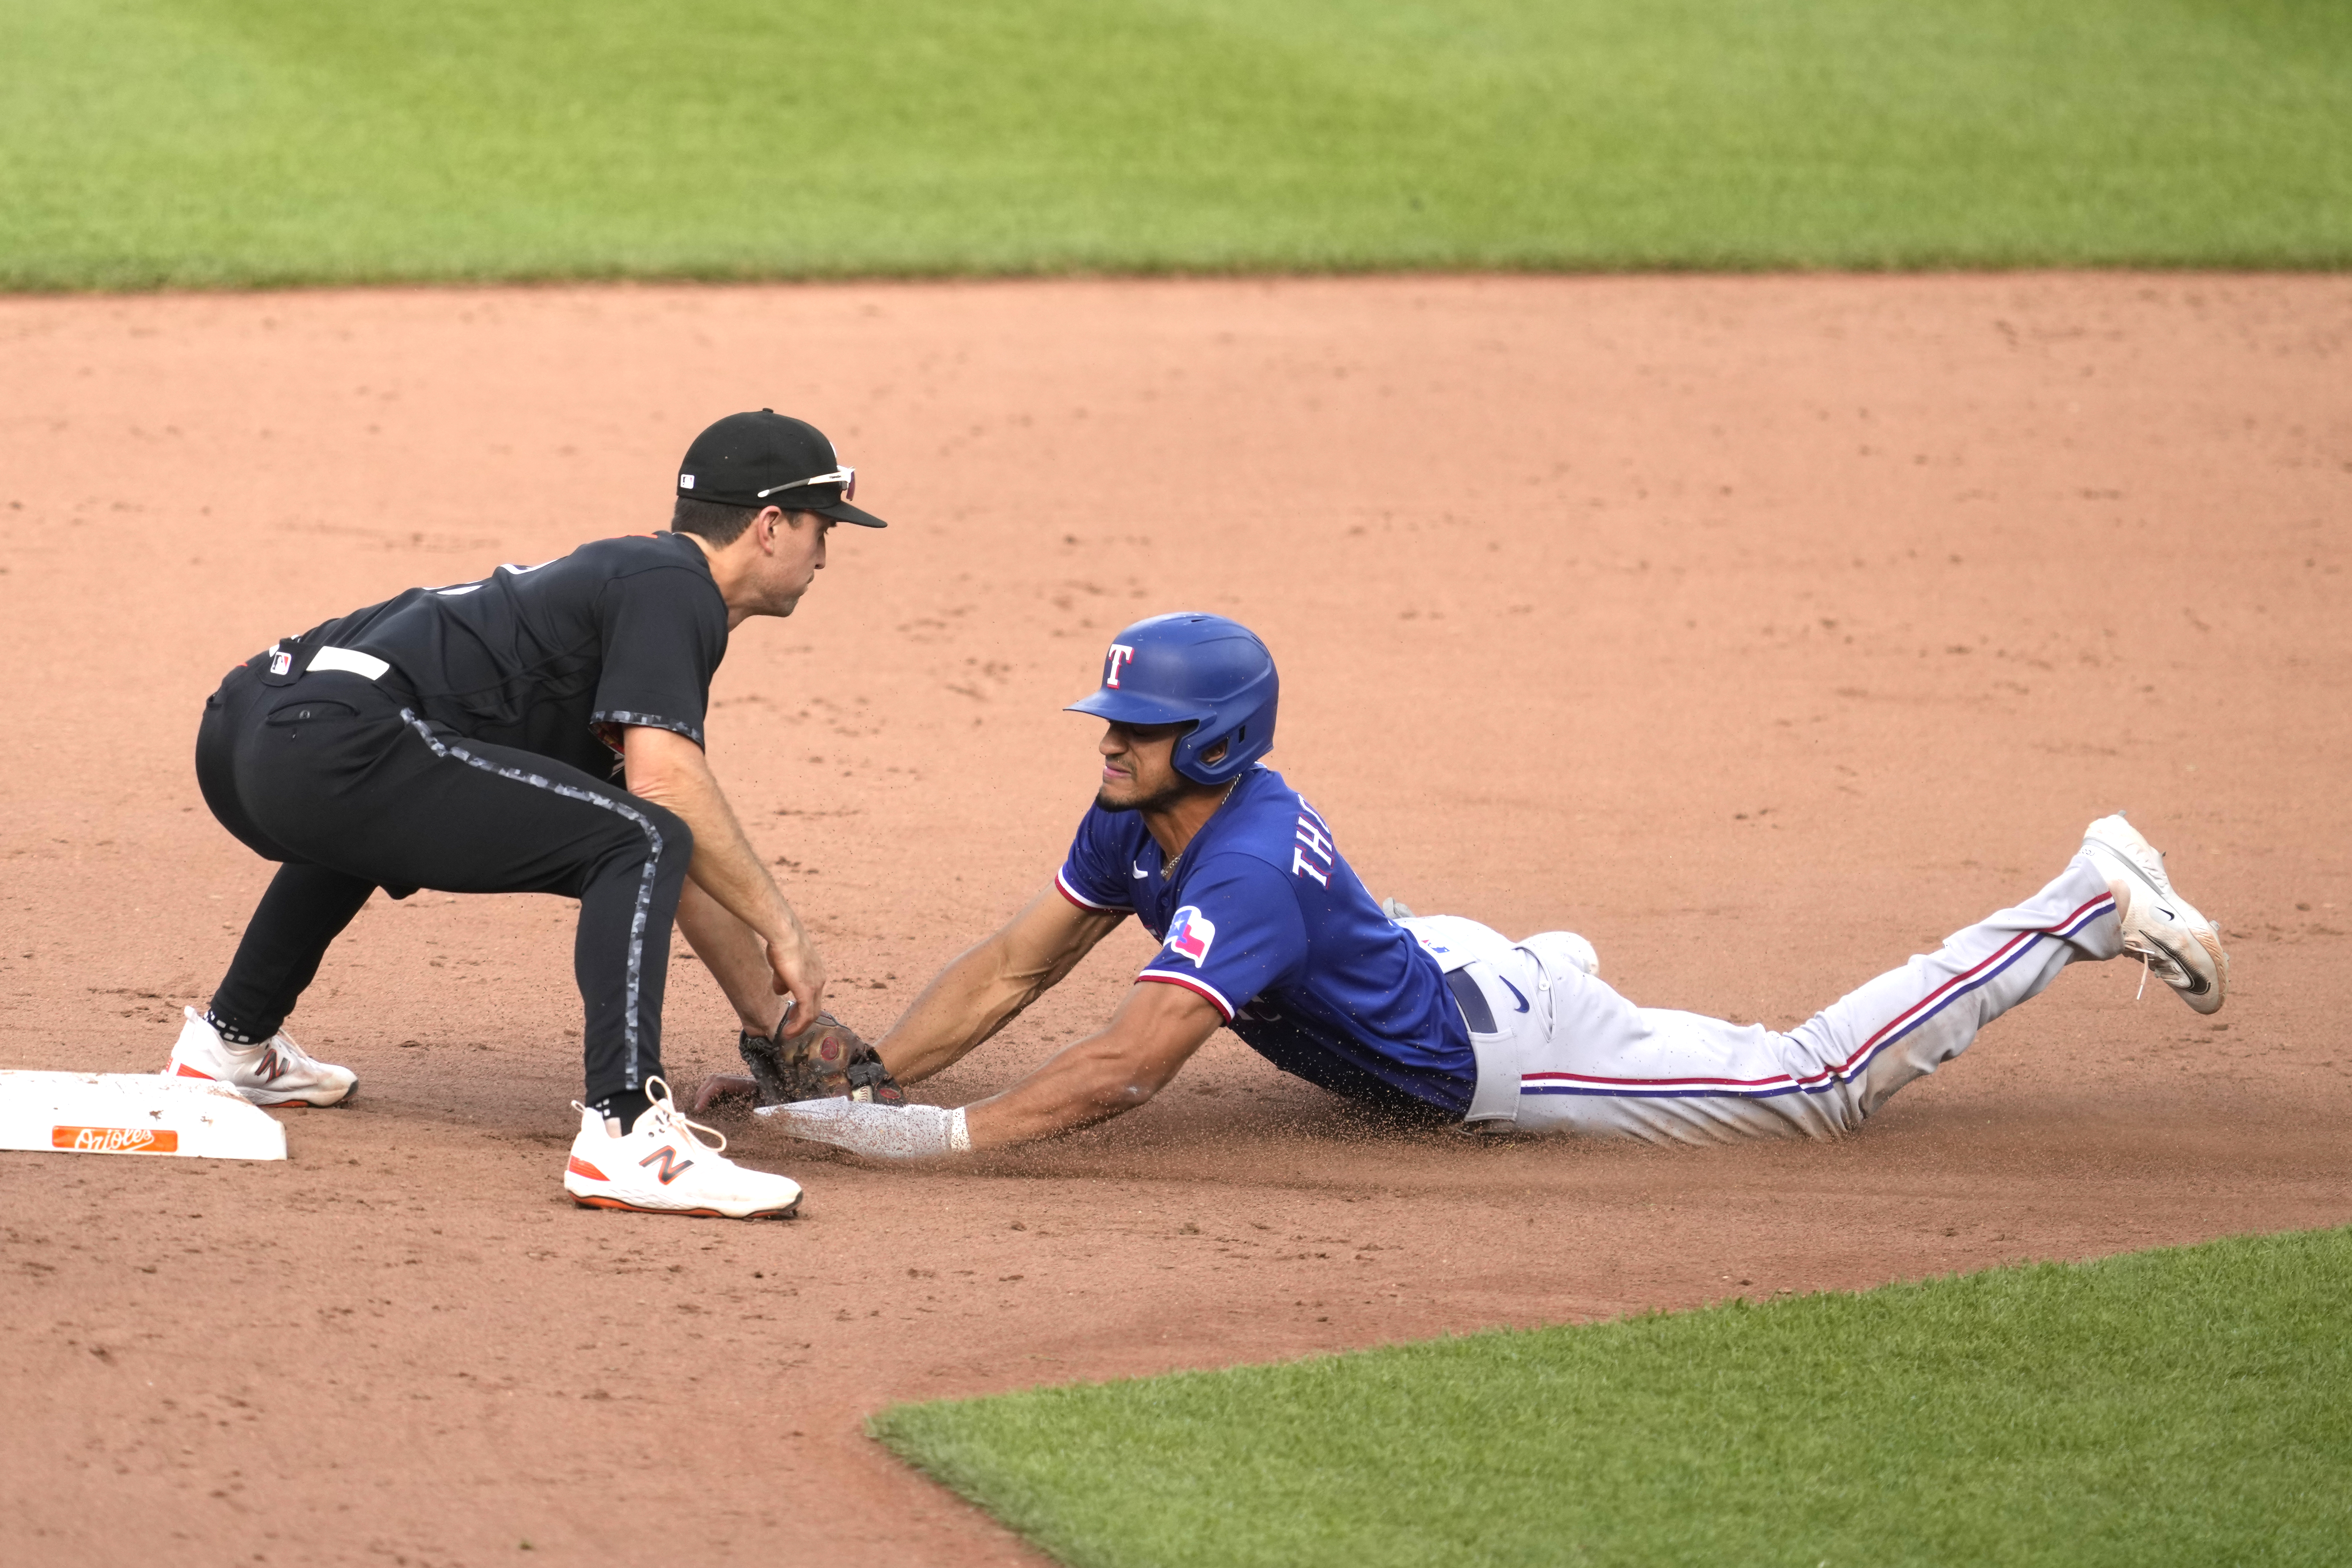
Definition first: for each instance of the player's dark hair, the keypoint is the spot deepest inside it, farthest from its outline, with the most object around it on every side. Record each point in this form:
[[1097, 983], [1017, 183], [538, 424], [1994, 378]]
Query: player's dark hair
[[721, 522]]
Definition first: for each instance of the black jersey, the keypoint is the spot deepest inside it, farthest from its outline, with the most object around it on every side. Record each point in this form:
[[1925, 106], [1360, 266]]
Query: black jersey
[[555, 658]]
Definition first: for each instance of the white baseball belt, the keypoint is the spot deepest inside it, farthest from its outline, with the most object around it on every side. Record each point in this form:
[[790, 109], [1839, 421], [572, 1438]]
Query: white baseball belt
[[1517, 1025]]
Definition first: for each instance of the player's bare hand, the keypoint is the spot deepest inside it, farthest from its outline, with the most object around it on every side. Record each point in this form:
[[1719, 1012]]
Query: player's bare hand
[[799, 973], [720, 1087]]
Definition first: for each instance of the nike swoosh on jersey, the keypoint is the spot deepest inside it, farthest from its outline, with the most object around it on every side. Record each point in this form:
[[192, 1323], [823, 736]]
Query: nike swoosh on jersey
[[1140, 873], [1515, 993]]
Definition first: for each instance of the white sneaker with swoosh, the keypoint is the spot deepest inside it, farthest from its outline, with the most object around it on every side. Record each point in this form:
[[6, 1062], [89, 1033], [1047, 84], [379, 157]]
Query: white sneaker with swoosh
[[276, 1072], [661, 1165], [2161, 928]]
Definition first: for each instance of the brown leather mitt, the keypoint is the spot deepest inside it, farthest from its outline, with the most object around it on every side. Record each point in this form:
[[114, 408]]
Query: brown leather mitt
[[826, 1061]]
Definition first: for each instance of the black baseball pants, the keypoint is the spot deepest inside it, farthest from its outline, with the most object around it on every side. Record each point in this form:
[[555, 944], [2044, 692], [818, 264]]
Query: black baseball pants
[[333, 774]]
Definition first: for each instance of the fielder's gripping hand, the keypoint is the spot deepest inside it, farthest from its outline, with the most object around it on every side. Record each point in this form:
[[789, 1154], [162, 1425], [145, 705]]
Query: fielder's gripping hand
[[878, 1132], [827, 1060]]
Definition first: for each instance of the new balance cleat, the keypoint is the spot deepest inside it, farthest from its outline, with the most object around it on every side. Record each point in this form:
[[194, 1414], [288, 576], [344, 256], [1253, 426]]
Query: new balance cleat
[[2161, 929], [276, 1072], [661, 1165]]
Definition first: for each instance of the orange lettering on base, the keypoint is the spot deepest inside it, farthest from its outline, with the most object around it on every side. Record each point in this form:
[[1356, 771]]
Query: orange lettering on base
[[115, 1140]]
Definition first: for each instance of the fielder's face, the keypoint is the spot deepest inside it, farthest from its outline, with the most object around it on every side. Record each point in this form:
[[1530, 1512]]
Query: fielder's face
[[793, 555], [1139, 768]]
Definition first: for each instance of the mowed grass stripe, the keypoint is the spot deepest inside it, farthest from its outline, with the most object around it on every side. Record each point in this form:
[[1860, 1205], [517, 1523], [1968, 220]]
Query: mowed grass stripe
[[241, 142], [2191, 1406]]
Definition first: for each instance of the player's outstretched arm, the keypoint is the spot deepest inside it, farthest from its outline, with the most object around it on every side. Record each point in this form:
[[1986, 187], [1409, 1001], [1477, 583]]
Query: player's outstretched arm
[[1155, 1031], [670, 770], [985, 988]]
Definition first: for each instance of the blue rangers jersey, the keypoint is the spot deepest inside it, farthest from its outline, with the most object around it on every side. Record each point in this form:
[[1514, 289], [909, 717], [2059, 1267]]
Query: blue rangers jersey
[[1264, 919]]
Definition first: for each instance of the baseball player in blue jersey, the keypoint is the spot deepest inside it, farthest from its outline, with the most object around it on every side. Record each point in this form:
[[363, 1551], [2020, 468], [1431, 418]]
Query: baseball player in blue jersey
[[1264, 929]]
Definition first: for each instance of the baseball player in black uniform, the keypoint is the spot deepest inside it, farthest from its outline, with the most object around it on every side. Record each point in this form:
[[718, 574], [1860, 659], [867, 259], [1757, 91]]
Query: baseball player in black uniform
[[539, 730]]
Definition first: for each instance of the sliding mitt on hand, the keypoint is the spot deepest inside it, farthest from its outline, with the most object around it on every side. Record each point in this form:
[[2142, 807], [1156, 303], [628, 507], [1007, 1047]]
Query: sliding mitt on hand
[[878, 1132]]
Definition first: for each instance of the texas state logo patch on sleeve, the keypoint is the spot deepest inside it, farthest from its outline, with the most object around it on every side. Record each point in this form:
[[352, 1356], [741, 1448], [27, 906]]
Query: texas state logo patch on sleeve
[[1189, 931]]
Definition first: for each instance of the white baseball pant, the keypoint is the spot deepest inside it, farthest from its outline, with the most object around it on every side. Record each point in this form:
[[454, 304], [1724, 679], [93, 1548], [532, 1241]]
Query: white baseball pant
[[1566, 1053]]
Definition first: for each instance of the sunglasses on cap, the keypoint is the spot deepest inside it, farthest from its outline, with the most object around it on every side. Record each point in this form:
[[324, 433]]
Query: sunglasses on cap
[[845, 476]]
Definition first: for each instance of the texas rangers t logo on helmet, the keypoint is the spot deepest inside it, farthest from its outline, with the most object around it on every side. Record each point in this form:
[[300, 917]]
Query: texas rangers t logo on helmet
[[1190, 934], [1120, 652]]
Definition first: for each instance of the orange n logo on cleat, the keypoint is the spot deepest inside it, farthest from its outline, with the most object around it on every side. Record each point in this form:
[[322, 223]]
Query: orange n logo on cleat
[[672, 1167]]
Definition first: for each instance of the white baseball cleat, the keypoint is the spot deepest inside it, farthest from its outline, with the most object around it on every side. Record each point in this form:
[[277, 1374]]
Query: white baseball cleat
[[2161, 928], [661, 1167], [276, 1072]]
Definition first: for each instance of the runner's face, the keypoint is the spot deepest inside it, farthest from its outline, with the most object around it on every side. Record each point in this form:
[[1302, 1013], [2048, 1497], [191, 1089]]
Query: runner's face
[[1139, 768]]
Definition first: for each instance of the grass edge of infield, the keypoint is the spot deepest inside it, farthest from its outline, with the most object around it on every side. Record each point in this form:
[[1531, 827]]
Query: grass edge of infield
[[2141, 1479]]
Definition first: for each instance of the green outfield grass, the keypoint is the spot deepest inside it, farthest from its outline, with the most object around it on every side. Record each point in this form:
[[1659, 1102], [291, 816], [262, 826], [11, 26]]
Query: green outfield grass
[[2182, 1407], [233, 141]]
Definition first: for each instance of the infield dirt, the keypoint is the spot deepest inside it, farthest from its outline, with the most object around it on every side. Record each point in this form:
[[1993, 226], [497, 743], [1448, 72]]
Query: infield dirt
[[1763, 630]]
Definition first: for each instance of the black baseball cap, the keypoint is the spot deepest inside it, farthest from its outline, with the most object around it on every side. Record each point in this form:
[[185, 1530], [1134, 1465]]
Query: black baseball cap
[[766, 459]]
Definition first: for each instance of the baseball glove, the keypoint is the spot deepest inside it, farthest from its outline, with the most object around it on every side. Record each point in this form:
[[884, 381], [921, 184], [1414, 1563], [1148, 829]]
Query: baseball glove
[[827, 1060]]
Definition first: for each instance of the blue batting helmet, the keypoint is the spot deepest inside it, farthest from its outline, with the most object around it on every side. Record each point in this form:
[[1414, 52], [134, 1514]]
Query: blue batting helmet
[[1202, 670]]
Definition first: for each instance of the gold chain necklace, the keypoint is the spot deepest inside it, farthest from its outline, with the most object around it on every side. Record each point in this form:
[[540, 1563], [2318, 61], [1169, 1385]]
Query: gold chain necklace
[[1169, 869]]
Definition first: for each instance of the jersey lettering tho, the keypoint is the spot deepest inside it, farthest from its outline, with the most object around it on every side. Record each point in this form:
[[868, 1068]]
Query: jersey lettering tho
[[1267, 920]]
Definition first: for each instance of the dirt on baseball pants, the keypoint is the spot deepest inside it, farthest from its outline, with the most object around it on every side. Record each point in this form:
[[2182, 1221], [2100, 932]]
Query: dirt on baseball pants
[[332, 776], [1569, 1054]]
